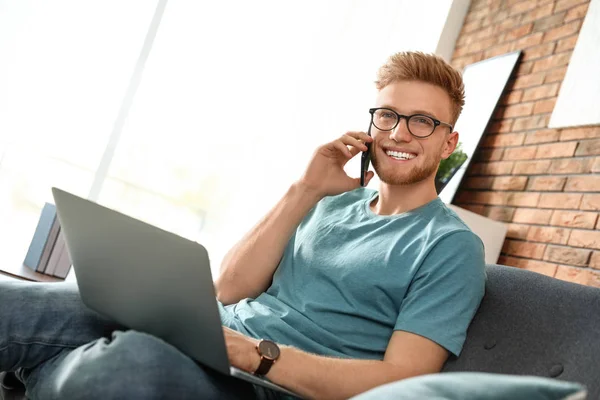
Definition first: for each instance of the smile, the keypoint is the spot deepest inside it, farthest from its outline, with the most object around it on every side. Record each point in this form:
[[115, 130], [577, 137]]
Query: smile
[[396, 155]]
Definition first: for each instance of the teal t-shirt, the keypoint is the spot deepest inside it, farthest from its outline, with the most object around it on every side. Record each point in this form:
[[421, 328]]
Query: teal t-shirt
[[349, 278]]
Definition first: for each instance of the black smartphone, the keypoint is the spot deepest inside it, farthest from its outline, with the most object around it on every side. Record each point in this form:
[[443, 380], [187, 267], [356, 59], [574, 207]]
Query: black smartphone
[[365, 161]]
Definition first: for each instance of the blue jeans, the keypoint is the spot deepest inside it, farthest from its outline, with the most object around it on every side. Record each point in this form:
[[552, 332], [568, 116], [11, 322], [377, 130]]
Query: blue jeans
[[60, 349]]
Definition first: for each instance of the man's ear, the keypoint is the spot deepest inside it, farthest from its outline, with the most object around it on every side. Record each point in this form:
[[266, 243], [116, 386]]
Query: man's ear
[[450, 144]]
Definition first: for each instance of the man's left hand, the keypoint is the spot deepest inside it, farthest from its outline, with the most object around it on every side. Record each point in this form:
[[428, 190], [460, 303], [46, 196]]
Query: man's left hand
[[241, 350]]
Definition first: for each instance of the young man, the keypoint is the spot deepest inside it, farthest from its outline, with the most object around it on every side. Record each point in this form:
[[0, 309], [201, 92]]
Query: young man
[[351, 287]]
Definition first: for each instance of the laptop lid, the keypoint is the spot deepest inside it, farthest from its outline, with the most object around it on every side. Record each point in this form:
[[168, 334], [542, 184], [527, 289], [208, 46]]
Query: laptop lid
[[144, 278]]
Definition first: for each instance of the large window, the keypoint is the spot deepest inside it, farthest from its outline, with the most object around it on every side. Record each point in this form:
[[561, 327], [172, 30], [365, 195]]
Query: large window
[[233, 99], [64, 67]]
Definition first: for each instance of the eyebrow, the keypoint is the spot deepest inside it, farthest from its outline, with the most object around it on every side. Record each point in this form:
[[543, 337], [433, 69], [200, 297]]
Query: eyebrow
[[412, 112]]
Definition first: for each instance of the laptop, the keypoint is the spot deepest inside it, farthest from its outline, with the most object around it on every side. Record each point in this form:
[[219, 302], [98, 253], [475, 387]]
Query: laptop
[[147, 279]]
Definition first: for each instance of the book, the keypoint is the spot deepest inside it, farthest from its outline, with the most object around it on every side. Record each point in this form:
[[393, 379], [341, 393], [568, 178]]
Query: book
[[41, 237], [50, 243], [64, 263], [56, 253]]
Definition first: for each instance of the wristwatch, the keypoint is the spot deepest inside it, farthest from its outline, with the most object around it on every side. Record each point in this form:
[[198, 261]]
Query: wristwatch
[[269, 353]]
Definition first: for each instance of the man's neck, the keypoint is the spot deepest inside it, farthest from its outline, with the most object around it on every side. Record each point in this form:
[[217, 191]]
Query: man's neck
[[396, 199]]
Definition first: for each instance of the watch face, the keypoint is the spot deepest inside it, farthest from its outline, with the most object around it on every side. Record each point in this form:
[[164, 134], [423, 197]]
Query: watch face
[[268, 349]]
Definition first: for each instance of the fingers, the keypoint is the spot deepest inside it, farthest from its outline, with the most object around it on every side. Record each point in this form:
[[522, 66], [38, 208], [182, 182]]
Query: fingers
[[362, 136], [343, 148]]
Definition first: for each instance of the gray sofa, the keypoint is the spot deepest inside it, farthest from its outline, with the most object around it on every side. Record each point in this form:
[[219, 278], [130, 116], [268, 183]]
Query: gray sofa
[[527, 324]]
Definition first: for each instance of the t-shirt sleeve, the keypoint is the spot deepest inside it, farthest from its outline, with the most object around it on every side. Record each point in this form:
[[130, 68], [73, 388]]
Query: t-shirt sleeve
[[446, 291]]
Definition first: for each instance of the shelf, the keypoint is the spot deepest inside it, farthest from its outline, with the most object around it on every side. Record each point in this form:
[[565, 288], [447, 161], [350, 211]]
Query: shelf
[[25, 273]]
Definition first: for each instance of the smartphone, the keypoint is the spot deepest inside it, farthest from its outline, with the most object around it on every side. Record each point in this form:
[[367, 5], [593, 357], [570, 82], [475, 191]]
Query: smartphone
[[365, 161]]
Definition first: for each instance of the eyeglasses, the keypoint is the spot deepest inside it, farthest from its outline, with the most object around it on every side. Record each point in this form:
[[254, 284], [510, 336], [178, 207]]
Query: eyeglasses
[[419, 125]]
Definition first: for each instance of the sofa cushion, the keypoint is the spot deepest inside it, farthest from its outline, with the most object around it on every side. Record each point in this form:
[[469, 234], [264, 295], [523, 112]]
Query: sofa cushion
[[476, 386], [531, 324]]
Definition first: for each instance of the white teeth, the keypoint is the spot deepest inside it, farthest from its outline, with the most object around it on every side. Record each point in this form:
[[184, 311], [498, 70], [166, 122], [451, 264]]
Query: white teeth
[[400, 155]]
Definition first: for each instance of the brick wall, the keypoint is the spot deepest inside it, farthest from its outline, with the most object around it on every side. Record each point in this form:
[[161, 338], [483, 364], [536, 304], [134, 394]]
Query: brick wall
[[544, 183]]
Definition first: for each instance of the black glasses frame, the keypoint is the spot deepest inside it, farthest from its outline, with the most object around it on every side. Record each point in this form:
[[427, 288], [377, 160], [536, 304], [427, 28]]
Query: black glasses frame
[[436, 122]]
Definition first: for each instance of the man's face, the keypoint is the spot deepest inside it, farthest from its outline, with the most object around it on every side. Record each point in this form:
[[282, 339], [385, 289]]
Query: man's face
[[408, 98]]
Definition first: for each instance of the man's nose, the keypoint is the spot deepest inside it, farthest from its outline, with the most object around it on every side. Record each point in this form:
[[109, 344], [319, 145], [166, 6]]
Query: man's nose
[[401, 133]]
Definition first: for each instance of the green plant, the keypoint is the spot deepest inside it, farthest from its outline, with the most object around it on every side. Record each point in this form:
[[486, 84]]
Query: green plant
[[449, 166]]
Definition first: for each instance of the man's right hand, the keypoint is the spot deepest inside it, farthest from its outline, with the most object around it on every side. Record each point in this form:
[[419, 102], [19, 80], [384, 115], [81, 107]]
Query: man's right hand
[[325, 175]]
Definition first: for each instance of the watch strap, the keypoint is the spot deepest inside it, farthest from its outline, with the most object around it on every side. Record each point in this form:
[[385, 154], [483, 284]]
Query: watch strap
[[264, 366]]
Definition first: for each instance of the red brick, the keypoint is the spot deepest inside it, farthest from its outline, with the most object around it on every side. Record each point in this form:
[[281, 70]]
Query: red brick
[[577, 12], [528, 41], [509, 183], [461, 62], [479, 182], [511, 97], [595, 260], [581, 276], [548, 234], [555, 75], [533, 122], [548, 63], [482, 45], [542, 136], [520, 153], [518, 110], [549, 22], [540, 267], [590, 132], [501, 126], [517, 231], [590, 202], [542, 50], [525, 81], [531, 167], [519, 32], [490, 154], [488, 197], [503, 140], [574, 219], [567, 43], [522, 199], [556, 150], [524, 249], [567, 255], [483, 33], [547, 183], [522, 7], [544, 106], [583, 184], [476, 208], [562, 31], [497, 168], [475, 15], [500, 213], [538, 13], [560, 200], [540, 92], [497, 50], [502, 25], [566, 4], [588, 148], [471, 26], [532, 216], [596, 165], [585, 238], [571, 166], [524, 68]]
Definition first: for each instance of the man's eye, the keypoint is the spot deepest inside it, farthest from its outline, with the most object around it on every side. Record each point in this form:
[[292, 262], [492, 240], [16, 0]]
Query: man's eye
[[387, 115], [423, 121]]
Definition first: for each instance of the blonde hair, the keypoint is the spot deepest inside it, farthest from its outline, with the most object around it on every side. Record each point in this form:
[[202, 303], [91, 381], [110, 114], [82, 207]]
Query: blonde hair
[[430, 68]]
